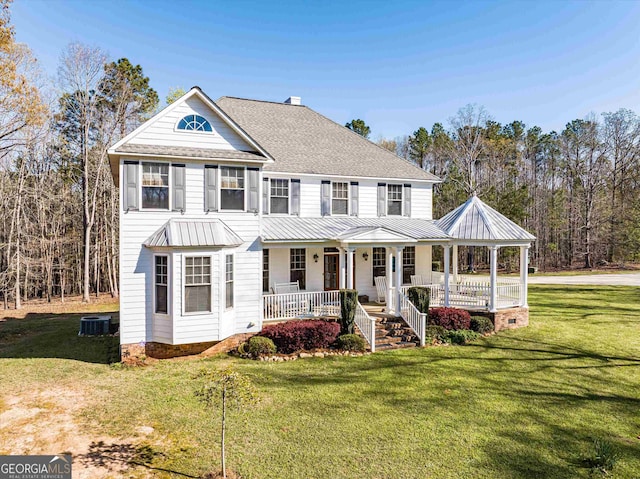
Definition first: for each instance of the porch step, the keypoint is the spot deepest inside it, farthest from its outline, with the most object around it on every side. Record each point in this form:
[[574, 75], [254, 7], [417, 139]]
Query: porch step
[[394, 333], [404, 344]]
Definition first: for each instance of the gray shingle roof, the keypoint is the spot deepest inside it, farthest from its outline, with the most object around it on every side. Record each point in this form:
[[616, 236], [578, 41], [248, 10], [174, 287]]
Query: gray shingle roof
[[178, 233], [293, 228], [301, 140], [189, 152], [475, 220]]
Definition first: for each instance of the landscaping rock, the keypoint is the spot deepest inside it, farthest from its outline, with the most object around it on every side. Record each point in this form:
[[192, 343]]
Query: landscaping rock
[[318, 355], [305, 355]]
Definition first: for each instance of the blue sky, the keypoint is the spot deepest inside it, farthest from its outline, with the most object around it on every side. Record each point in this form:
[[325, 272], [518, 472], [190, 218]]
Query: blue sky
[[397, 65]]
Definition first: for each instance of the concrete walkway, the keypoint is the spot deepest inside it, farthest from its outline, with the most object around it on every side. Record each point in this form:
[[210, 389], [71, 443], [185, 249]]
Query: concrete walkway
[[625, 279]]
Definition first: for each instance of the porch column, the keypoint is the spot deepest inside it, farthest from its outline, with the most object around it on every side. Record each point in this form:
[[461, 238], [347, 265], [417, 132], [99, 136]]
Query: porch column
[[493, 280], [342, 281], [524, 275], [454, 262], [389, 253], [399, 250], [350, 259], [447, 253]]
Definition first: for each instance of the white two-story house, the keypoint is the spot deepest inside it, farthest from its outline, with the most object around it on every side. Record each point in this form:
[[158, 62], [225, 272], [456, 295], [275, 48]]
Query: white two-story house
[[238, 212]]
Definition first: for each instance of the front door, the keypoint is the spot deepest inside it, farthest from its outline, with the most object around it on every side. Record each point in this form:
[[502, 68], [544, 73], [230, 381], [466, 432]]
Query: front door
[[330, 271]]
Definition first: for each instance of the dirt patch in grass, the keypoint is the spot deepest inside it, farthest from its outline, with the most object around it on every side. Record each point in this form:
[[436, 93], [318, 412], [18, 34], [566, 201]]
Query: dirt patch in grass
[[44, 422], [71, 305]]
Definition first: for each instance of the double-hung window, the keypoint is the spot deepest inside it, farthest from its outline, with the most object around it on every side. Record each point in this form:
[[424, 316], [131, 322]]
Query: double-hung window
[[197, 289], [408, 263], [232, 188], [279, 196], [228, 281], [161, 284], [394, 200], [298, 263], [155, 186], [340, 198], [379, 263]]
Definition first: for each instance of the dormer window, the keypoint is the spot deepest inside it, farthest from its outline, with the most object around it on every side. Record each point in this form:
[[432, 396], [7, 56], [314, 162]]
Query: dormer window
[[194, 123]]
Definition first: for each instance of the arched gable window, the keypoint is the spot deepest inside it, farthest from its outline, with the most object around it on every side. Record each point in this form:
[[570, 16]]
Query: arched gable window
[[194, 123]]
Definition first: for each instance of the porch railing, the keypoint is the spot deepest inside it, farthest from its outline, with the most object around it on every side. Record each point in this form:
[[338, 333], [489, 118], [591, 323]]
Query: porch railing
[[509, 295], [474, 295], [367, 326], [416, 320], [438, 277], [436, 293], [305, 304]]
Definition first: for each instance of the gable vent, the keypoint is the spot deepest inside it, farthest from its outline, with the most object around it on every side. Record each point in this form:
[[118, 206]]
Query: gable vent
[[293, 100]]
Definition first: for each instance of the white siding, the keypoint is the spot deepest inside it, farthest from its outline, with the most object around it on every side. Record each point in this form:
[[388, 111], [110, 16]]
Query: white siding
[[310, 197], [137, 321], [423, 260], [421, 201], [162, 131], [315, 271], [195, 327], [364, 273], [278, 266]]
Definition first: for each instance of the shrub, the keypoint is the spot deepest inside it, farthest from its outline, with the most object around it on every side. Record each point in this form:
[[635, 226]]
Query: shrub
[[460, 336], [308, 334], [258, 346], [604, 456], [450, 318], [419, 296], [348, 305], [434, 334], [481, 325], [351, 342]]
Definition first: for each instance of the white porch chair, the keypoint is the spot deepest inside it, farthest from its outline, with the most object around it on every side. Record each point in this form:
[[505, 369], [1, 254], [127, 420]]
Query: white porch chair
[[284, 288], [420, 280], [381, 288]]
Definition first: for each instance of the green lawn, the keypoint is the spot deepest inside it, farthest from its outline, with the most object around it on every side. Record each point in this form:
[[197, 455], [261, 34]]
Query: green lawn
[[520, 404]]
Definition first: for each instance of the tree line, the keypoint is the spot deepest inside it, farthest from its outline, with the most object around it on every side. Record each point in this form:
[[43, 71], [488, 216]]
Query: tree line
[[577, 190], [59, 227]]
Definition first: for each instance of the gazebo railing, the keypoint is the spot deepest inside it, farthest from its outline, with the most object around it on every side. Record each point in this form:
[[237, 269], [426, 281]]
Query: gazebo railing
[[473, 295]]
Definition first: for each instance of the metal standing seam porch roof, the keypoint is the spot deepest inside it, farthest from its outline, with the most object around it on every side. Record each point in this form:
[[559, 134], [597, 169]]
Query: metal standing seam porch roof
[[186, 233], [476, 221], [293, 228]]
